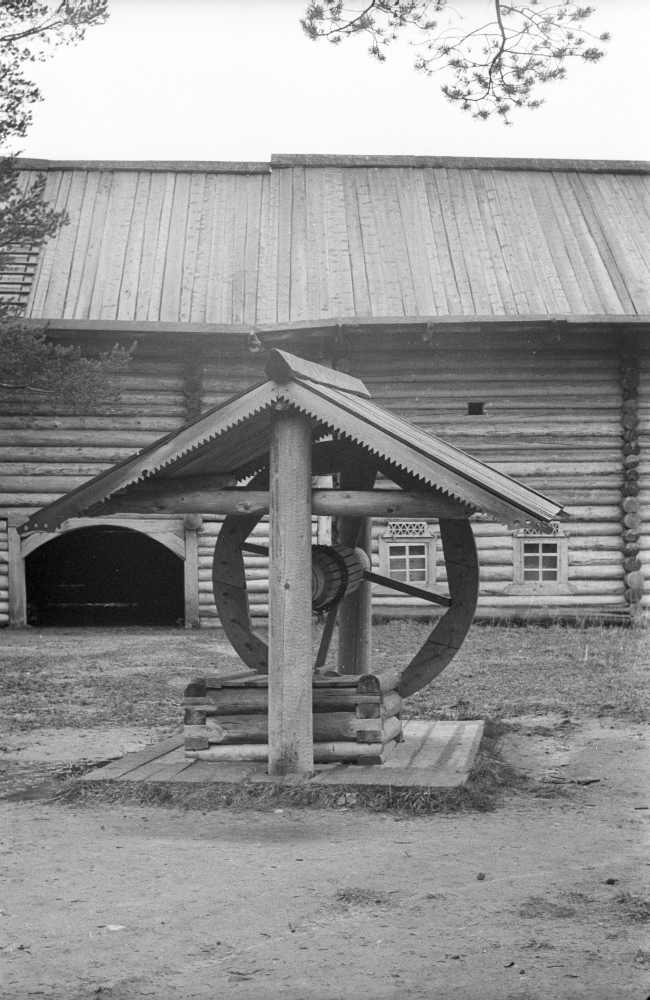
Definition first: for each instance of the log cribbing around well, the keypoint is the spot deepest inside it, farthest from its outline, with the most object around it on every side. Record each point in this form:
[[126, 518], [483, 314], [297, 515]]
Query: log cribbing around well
[[355, 717]]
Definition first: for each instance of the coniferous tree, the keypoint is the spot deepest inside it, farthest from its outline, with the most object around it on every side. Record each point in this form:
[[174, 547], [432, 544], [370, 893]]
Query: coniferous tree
[[489, 66], [29, 31]]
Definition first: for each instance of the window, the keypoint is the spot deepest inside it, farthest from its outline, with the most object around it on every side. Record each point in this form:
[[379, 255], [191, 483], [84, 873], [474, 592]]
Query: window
[[408, 562], [407, 552], [475, 409], [540, 560]]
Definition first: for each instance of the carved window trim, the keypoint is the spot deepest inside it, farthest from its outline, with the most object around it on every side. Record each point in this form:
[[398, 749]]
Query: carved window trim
[[535, 555]]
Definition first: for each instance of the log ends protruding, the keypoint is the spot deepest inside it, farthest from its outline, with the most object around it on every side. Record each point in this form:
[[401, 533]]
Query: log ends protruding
[[449, 633], [631, 505]]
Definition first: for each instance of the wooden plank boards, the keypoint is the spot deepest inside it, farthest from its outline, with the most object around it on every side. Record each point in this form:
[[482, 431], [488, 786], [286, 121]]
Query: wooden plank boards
[[124, 765], [324, 239], [433, 755]]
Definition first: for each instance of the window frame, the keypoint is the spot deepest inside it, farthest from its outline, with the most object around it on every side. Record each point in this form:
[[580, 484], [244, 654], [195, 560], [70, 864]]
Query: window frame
[[422, 536], [520, 583]]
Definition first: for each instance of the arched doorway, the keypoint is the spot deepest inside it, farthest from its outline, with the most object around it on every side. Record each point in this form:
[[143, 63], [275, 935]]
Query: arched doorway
[[105, 575]]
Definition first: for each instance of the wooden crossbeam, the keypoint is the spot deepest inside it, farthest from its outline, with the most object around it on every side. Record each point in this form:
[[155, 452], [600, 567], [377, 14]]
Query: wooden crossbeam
[[173, 497]]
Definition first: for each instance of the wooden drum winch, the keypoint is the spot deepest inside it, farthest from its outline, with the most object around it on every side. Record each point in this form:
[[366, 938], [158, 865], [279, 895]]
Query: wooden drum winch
[[336, 572]]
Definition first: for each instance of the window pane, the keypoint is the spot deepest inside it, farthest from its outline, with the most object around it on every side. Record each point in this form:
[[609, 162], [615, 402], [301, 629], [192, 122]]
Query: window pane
[[550, 547], [418, 576], [398, 550], [531, 546], [549, 562], [530, 574], [399, 574], [549, 574], [416, 550], [530, 561], [418, 563]]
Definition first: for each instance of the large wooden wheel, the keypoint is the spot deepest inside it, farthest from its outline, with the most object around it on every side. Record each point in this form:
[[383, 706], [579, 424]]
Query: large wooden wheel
[[231, 596]]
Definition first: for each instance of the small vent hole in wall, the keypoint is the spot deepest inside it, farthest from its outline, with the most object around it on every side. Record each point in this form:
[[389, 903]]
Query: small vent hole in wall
[[475, 409]]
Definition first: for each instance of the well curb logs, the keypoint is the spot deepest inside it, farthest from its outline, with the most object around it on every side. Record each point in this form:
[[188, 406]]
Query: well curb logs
[[356, 718]]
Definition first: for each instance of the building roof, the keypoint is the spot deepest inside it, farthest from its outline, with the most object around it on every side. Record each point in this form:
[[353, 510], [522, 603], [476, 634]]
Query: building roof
[[229, 442], [319, 239]]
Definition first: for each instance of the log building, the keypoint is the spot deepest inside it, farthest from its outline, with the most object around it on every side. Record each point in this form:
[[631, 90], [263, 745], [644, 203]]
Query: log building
[[501, 304]]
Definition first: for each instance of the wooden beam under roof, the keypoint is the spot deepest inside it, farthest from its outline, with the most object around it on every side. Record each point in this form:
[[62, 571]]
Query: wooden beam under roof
[[172, 497]]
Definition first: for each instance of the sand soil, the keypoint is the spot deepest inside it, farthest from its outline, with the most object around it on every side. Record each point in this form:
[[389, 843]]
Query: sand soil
[[546, 897]]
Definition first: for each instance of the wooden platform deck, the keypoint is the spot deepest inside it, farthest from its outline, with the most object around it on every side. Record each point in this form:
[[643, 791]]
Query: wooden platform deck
[[433, 755]]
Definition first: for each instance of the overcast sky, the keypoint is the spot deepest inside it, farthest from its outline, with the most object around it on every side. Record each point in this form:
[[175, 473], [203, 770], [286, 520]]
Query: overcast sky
[[238, 80]]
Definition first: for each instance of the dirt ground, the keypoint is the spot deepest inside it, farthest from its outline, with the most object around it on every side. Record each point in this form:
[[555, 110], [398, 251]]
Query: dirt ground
[[545, 897]]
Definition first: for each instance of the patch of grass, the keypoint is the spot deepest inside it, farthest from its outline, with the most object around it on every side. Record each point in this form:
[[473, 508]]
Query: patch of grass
[[634, 908], [87, 678], [98, 677], [505, 671], [536, 907], [356, 896]]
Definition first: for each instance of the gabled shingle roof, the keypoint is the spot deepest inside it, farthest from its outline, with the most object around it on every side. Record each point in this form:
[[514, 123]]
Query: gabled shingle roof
[[316, 238], [233, 440]]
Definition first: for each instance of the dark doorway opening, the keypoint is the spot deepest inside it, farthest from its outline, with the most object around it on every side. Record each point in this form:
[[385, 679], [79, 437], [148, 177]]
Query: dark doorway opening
[[104, 576]]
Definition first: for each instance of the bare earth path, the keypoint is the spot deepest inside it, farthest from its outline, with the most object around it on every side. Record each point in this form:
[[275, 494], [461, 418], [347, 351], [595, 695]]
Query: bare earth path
[[546, 898], [125, 902]]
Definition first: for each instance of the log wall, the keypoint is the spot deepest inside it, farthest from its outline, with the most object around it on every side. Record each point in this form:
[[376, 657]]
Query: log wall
[[552, 418], [46, 451], [553, 409]]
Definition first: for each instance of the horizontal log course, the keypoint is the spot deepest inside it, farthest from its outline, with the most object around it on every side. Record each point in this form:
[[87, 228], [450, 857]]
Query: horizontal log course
[[328, 726], [233, 701], [255, 680], [363, 683], [372, 696], [324, 753], [391, 704], [171, 497]]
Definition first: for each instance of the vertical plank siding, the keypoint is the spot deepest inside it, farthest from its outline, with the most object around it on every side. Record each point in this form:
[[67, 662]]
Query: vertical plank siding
[[304, 242]]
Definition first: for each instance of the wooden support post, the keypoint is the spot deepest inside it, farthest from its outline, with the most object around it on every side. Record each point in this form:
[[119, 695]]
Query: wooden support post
[[355, 611], [17, 587], [291, 748], [192, 524]]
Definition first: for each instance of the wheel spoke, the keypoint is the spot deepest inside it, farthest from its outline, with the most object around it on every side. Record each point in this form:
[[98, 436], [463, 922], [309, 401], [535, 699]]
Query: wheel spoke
[[255, 550], [406, 588], [326, 638]]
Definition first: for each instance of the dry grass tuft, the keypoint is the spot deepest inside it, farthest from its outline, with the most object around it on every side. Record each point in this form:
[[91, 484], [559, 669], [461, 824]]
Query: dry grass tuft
[[634, 908], [88, 678]]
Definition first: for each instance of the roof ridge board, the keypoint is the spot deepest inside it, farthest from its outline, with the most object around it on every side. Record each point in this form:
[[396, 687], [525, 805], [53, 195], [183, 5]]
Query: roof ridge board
[[460, 162], [155, 166], [285, 367], [282, 160]]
